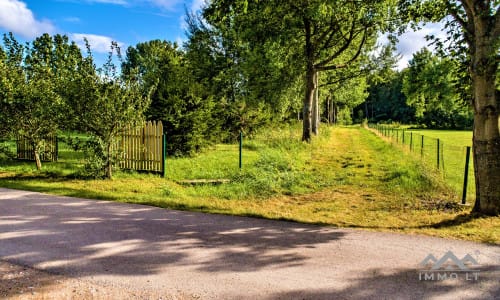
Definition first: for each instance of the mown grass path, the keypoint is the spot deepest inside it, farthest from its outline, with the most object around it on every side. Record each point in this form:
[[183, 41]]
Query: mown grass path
[[349, 178]]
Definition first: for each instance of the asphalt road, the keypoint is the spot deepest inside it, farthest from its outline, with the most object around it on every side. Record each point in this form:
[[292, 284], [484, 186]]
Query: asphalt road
[[223, 257]]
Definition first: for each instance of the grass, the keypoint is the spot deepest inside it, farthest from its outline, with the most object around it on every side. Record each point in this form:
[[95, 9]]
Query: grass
[[454, 153], [348, 177]]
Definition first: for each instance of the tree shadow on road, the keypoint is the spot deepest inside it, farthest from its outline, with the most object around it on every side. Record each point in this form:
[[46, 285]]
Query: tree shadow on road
[[407, 284], [85, 238], [89, 238]]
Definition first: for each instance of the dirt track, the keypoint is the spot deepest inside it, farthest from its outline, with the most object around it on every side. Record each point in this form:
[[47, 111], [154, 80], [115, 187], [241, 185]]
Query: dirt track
[[99, 248]]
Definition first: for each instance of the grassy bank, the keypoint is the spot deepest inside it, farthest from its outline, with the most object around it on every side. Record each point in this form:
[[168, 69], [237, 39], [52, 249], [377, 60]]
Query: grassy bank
[[348, 177], [454, 143]]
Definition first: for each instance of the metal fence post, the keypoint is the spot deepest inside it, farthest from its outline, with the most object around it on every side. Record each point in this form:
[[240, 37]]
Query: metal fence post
[[241, 149], [466, 174], [164, 155], [422, 148], [411, 141], [438, 152]]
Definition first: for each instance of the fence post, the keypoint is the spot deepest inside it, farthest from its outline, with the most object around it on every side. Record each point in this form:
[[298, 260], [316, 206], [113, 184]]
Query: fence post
[[466, 174], [164, 155], [241, 148], [403, 136], [57, 148], [438, 152], [422, 148], [411, 141]]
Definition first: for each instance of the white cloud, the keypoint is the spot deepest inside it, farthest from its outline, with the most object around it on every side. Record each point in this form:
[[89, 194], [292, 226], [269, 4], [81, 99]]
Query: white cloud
[[164, 5], [197, 5], [98, 43], [412, 41], [72, 19], [15, 16], [169, 5], [117, 2]]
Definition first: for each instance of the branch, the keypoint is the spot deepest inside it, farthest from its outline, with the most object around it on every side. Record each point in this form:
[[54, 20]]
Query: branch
[[356, 55], [345, 78], [342, 49], [496, 22]]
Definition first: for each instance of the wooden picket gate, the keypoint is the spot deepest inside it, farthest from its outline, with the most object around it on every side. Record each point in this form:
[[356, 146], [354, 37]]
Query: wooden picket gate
[[26, 150], [143, 149]]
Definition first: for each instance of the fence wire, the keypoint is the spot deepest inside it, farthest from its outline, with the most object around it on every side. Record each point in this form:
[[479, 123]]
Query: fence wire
[[448, 160]]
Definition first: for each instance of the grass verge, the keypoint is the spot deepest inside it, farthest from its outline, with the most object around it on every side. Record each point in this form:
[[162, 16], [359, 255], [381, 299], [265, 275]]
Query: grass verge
[[348, 177]]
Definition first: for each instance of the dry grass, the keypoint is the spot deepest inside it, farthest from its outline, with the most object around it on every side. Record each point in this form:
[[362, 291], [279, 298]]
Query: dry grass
[[349, 178]]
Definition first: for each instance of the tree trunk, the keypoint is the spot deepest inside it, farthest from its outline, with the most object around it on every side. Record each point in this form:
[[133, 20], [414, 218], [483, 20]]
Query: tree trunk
[[315, 112], [328, 111], [334, 112], [307, 108], [486, 140], [309, 80], [109, 165], [38, 161], [483, 45]]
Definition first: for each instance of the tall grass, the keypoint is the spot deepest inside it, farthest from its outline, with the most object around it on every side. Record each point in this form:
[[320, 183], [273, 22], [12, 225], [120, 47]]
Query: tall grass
[[346, 177], [454, 153]]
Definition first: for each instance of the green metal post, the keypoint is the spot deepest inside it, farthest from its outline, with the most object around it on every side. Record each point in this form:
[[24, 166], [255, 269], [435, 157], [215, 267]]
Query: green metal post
[[164, 155], [422, 147], [241, 148], [466, 174], [438, 151], [411, 141]]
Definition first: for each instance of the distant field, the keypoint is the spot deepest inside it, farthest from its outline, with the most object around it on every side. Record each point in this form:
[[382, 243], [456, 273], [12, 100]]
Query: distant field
[[454, 143]]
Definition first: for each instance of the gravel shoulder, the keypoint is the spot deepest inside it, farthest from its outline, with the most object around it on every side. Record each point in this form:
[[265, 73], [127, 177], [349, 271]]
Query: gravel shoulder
[[25, 283], [86, 249]]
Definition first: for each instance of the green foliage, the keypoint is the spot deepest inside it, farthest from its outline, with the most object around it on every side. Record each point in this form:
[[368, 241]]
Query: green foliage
[[271, 45], [178, 100], [429, 86], [32, 88], [107, 104]]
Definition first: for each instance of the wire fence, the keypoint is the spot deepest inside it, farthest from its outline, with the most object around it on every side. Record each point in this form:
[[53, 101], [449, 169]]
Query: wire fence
[[452, 161]]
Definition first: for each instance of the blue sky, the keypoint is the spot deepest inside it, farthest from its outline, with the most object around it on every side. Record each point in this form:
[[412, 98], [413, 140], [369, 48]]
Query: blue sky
[[127, 22]]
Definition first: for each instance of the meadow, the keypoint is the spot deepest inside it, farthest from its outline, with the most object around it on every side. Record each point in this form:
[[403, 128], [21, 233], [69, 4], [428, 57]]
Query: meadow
[[347, 177], [454, 144]]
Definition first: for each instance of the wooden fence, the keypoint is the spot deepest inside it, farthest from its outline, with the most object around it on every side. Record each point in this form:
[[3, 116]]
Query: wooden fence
[[143, 149], [26, 149]]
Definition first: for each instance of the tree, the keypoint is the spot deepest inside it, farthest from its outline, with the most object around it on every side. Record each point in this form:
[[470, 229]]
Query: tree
[[107, 103], [319, 35], [32, 89], [473, 28], [231, 70], [429, 86], [178, 100]]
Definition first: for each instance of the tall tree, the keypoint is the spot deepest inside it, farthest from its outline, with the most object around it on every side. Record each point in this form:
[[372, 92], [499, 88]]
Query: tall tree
[[429, 86], [107, 103], [323, 35], [33, 86], [474, 31], [178, 99]]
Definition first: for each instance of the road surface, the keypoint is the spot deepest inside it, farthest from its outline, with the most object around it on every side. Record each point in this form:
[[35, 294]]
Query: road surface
[[166, 252]]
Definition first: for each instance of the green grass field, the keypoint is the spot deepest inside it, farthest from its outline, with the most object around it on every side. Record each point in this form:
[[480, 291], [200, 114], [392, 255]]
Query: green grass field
[[347, 177], [454, 152]]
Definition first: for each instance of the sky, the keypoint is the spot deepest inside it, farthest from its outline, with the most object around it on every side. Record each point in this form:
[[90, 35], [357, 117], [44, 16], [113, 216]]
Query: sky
[[126, 22]]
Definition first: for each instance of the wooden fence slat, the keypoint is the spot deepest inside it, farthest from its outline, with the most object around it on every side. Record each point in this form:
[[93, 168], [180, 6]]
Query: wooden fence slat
[[142, 147], [26, 151]]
